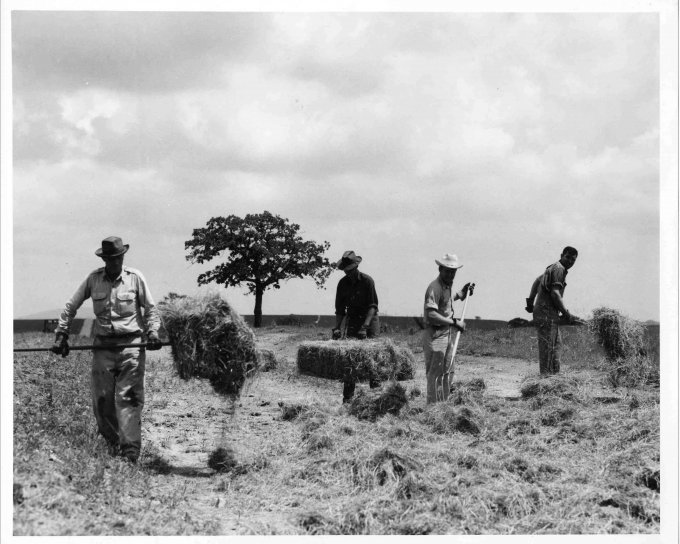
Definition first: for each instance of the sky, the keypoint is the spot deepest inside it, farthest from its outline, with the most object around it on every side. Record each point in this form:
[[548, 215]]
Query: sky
[[500, 137]]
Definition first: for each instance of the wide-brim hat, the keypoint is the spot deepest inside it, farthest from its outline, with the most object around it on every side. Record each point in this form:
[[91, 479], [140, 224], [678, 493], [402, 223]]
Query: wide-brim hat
[[349, 261], [449, 260], [112, 247]]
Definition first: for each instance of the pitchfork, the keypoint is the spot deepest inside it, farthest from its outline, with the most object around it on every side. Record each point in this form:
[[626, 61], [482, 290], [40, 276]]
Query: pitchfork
[[439, 381]]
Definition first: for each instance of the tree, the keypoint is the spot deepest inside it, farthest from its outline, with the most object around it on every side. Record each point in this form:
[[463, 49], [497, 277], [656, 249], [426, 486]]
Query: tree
[[262, 251]]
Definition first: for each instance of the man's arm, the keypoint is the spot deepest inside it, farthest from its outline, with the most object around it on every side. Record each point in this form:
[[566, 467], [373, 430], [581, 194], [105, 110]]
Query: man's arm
[[558, 301], [532, 295], [434, 317], [71, 308]]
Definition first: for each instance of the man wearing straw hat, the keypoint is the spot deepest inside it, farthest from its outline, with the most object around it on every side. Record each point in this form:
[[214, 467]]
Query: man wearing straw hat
[[438, 320], [549, 310], [356, 302], [119, 294]]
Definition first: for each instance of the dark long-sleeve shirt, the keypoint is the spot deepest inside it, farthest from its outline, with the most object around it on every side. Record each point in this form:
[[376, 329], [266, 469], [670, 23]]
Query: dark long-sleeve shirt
[[355, 296]]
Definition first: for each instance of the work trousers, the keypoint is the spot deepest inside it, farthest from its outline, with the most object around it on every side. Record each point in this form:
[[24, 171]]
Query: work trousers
[[549, 342], [118, 392], [437, 353], [349, 377]]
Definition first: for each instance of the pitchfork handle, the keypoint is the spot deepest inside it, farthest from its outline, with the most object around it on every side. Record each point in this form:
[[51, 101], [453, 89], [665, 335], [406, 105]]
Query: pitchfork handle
[[99, 346]]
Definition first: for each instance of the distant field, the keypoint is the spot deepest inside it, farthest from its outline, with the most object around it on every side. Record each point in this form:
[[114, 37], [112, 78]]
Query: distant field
[[581, 457]]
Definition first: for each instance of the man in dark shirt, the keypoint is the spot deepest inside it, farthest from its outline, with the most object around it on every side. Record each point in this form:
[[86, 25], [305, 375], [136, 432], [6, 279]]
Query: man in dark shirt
[[356, 301], [550, 311]]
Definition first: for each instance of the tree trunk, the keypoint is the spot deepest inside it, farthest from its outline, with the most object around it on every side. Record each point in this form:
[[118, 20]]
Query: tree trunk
[[257, 322]]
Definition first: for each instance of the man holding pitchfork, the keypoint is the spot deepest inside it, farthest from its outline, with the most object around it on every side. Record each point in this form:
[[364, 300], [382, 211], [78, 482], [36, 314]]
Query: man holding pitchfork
[[439, 322]]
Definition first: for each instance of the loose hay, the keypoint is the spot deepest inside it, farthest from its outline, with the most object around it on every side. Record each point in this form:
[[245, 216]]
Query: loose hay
[[377, 359], [620, 336], [554, 385], [444, 418], [210, 340], [222, 459], [373, 404]]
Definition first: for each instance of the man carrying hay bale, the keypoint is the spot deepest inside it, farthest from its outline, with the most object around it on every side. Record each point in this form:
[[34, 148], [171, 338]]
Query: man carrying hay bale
[[438, 320], [549, 310], [119, 294], [356, 302]]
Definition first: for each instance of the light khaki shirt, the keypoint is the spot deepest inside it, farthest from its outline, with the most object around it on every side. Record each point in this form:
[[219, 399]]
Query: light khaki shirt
[[438, 296], [117, 304]]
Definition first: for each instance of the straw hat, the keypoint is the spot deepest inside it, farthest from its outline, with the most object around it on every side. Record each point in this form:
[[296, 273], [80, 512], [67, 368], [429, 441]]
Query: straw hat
[[449, 260]]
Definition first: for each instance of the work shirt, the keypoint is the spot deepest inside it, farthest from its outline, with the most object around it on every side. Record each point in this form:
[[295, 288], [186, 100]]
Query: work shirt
[[117, 304], [355, 296], [438, 296], [555, 275]]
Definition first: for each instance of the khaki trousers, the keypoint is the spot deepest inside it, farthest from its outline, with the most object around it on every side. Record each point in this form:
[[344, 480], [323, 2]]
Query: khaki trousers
[[118, 391], [437, 352]]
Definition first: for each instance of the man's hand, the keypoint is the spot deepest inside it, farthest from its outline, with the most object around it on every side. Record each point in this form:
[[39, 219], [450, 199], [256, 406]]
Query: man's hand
[[530, 305], [153, 342], [336, 334], [468, 289], [361, 333], [459, 324], [60, 346]]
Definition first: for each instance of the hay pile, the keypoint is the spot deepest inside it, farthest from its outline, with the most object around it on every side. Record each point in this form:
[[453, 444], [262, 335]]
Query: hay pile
[[379, 359], [620, 336], [445, 418], [373, 404], [210, 340]]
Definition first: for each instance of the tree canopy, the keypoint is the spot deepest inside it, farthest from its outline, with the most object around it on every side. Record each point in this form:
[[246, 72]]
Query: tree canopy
[[262, 250]]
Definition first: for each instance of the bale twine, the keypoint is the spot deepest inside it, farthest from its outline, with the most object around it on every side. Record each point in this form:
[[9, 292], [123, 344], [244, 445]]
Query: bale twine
[[374, 404], [377, 358], [210, 340], [620, 336]]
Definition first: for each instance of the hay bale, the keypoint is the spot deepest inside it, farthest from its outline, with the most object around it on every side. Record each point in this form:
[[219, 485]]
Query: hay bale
[[210, 340], [371, 405], [620, 336], [374, 358]]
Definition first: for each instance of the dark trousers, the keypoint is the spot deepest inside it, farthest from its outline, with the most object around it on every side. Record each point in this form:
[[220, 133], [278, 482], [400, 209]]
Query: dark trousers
[[349, 378]]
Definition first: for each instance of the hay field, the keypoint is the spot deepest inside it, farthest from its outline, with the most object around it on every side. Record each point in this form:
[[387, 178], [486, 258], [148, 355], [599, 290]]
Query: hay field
[[575, 454]]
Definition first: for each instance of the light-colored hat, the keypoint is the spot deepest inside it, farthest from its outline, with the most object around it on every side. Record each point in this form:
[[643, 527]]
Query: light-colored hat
[[449, 260], [349, 261]]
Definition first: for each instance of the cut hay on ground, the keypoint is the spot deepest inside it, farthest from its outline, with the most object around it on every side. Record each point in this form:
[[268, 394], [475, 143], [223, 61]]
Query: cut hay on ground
[[555, 385], [210, 340], [378, 359], [620, 336], [371, 405], [445, 418]]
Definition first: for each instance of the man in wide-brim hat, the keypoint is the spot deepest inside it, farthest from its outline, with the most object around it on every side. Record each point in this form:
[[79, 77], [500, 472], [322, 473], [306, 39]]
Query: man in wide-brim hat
[[356, 301], [440, 323], [125, 312]]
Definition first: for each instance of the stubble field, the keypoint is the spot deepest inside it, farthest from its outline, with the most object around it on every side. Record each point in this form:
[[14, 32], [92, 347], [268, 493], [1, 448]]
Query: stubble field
[[579, 454]]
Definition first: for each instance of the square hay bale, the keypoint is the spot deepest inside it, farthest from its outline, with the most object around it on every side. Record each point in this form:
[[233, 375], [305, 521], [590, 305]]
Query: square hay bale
[[210, 340], [375, 358]]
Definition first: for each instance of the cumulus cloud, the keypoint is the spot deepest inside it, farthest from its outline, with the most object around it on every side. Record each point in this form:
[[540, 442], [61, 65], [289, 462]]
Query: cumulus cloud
[[495, 133]]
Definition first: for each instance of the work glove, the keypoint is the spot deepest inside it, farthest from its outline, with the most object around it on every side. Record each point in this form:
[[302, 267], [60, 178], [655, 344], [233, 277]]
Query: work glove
[[153, 342], [468, 289], [336, 334], [60, 346], [361, 333], [530, 305]]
